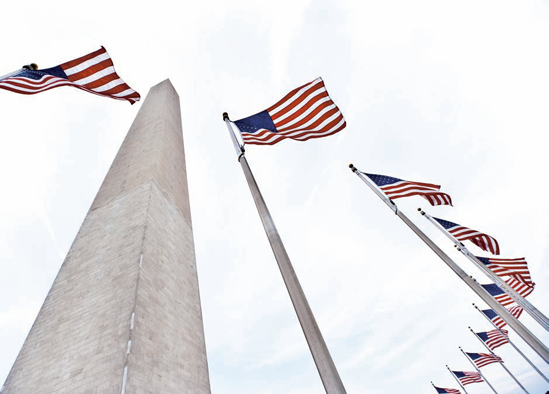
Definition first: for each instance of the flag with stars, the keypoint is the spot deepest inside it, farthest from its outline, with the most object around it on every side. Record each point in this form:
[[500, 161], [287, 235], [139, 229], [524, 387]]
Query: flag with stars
[[92, 73], [304, 113], [397, 188], [502, 297], [515, 311], [446, 390], [462, 233], [483, 359], [494, 338], [468, 377], [515, 268]]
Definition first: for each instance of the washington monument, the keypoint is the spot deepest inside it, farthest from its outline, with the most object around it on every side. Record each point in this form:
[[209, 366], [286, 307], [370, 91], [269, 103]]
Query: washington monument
[[123, 314]]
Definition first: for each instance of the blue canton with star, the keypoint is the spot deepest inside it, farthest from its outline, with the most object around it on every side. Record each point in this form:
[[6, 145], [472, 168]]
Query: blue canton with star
[[253, 123], [483, 336], [382, 180], [446, 224], [493, 289], [490, 313], [37, 74]]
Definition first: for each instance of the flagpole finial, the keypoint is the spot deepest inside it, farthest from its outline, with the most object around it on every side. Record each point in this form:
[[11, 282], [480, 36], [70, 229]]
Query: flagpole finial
[[225, 116], [32, 66], [352, 167]]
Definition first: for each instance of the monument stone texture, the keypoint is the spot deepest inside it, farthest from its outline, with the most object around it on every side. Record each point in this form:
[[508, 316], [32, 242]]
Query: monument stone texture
[[123, 314]]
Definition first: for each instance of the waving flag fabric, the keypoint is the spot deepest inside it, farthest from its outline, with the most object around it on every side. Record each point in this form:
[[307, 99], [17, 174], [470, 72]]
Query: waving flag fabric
[[461, 233], [515, 268], [494, 339], [468, 377], [515, 311], [502, 297], [304, 113], [397, 188], [484, 359], [449, 391], [92, 73]]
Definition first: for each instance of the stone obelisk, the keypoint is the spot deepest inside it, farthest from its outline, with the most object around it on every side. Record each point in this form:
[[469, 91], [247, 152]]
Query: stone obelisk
[[123, 314]]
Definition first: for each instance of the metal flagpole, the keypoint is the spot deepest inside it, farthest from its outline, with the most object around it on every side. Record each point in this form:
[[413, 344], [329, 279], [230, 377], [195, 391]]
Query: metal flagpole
[[527, 306], [321, 355], [478, 370], [501, 362], [457, 380], [520, 329], [513, 345], [32, 66]]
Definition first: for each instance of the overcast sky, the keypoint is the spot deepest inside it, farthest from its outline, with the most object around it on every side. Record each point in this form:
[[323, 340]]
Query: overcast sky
[[449, 93]]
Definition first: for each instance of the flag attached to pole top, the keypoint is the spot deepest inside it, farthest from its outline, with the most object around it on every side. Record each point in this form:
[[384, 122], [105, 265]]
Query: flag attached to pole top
[[462, 233], [397, 188], [446, 390], [515, 268], [483, 359], [502, 297], [515, 311], [92, 73], [468, 377], [304, 113], [494, 338]]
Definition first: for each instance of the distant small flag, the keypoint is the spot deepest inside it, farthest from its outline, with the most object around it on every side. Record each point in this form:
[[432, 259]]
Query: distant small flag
[[92, 73], [502, 297], [494, 338], [515, 311], [397, 188], [461, 233], [484, 359], [449, 391], [516, 268], [468, 377], [304, 113]]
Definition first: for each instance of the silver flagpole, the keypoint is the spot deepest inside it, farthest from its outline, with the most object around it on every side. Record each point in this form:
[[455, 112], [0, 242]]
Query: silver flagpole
[[32, 66], [321, 355], [513, 345], [457, 380], [520, 329], [501, 362], [528, 307], [478, 370]]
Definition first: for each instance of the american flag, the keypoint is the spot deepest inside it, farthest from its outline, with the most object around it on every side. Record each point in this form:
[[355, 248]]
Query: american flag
[[515, 268], [304, 113], [461, 233], [468, 377], [515, 311], [483, 359], [449, 391], [93, 73], [494, 339], [502, 297], [397, 188]]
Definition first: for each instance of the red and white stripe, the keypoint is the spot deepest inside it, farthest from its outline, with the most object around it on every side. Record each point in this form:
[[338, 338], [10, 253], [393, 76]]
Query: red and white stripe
[[471, 377], [516, 268], [515, 311], [483, 241], [497, 339], [93, 73], [25, 85], [487, 359], [520, 287], [428, 191], [451, 391], [304, 113]]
